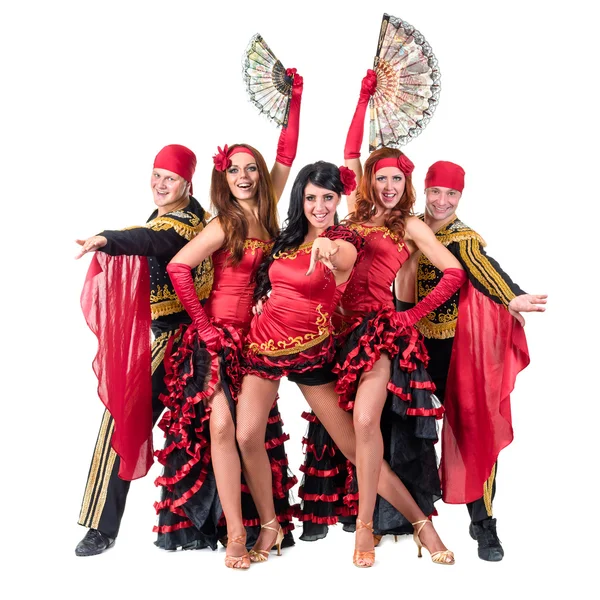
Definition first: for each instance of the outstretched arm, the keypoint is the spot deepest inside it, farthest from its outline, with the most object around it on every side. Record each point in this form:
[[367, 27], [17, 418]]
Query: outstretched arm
[[526, 303], [288, 138], [355, 133]]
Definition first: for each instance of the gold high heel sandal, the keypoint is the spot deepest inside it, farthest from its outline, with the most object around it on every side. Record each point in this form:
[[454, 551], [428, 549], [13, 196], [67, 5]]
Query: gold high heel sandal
[[263, 555], [441, 557], [366, 556], [238, 562]]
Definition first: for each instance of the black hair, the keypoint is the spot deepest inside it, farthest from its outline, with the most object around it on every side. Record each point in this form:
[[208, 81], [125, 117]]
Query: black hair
[[322, 174]]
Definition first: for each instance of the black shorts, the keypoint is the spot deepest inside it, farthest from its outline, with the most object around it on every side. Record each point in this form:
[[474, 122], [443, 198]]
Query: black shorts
[[317, 376]]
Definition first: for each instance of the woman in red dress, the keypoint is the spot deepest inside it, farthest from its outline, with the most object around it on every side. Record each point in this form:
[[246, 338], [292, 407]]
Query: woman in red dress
[[381, 364], [292, 336], [200, 454]]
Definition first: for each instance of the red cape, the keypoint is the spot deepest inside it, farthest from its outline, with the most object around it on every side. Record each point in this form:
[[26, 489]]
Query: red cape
[[489, 350], [116, 304]]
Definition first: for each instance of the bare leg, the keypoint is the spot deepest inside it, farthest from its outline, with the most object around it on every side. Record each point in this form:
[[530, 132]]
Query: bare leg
[[254, 403], [323, 400], [228, 470]]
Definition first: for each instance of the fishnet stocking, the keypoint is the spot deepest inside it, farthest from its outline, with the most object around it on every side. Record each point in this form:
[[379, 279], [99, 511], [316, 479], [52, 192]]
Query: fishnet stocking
[[226, 462], [254, 404]]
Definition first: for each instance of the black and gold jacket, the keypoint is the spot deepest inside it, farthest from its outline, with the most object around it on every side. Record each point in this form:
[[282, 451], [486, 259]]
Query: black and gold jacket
[[482, 270], [160, 239]]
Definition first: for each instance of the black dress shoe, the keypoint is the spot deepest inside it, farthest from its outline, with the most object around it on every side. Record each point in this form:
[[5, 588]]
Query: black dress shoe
[[94, 542], [489, 546]]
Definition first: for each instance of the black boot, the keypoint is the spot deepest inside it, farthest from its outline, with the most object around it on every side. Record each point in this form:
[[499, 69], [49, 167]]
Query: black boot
[[489, 546], [94, 542]]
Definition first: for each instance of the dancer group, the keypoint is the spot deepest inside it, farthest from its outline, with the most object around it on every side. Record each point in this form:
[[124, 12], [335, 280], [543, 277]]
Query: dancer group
[[234, 303]]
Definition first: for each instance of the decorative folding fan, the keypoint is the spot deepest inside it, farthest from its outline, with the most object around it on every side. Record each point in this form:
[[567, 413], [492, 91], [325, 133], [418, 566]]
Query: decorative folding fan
[[408, 85], [269, 88]]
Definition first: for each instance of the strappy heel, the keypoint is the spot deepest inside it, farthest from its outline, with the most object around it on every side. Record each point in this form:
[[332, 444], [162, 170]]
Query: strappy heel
[[441, 557], [238, 562], [263, 555], [367, 557]]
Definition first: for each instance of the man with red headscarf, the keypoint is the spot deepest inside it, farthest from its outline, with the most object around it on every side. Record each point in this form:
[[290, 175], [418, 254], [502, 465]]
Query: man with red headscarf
[[127, 294], [477, 346]]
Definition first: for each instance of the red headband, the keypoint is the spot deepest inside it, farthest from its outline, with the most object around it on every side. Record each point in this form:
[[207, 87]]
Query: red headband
[[402, 162], [177, 159], [222, 158], [445, 174], [348, 179]]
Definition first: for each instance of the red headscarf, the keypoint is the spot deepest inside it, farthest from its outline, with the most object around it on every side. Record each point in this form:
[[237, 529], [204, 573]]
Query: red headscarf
[[177, 159], [445, 174]]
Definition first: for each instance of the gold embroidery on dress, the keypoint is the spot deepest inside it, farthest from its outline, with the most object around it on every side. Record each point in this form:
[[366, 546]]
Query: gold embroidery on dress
[[365, 231], [252, 244], [305, 248], [293, 345]]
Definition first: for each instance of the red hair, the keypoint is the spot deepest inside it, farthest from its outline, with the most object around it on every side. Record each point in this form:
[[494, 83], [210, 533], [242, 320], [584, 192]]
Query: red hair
[[366, 196]]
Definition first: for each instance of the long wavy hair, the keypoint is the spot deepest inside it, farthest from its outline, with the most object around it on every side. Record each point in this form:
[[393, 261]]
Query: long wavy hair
[[230, 213], [366, 196], [322, 174]]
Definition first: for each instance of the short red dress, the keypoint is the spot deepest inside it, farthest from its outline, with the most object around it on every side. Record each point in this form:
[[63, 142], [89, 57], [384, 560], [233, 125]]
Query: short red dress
[[365, 330]]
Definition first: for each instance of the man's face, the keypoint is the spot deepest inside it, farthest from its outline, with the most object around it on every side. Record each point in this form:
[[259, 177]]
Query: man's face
[[441, 202], [168, 188]]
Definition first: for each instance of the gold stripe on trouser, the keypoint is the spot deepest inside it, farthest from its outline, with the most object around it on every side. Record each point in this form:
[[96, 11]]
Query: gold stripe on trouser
[[488, 487], [104, 456]]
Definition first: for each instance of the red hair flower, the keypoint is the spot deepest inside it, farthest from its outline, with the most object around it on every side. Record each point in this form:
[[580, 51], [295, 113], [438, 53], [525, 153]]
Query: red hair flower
[[221, 158], [348, 179], [405, 164]]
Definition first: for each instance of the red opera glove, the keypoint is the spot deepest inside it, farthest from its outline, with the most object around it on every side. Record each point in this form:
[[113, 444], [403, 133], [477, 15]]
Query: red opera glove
[[288, 138], [357, 127], [183, 283], [447, 286]]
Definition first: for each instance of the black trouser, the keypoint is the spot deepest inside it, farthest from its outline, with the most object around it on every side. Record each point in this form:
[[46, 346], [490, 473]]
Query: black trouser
[[105, 493], [439, 363]]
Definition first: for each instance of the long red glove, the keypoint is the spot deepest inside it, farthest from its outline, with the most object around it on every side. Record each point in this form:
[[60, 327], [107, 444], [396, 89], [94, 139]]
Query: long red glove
[[288, 138], [357, 127], [447, 286], [181, 276]]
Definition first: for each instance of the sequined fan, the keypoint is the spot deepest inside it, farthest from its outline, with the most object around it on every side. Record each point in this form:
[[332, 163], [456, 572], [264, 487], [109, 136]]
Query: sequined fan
[[408, 85], [268, 86]]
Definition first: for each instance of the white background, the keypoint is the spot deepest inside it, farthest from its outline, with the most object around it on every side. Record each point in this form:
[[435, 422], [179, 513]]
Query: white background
[[90, 93]]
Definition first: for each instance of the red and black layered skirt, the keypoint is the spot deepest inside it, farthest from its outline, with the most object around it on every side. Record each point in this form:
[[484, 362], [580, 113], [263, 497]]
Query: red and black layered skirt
[[189, 513], [408, 425]]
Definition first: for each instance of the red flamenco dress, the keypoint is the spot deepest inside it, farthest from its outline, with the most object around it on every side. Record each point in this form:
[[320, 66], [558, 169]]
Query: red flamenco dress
[[293, 337], [189, 513], [367, 328]]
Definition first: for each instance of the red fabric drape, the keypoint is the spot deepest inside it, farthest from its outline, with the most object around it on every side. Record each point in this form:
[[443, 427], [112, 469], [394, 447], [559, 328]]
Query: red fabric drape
[[489, 350], [116, 304]]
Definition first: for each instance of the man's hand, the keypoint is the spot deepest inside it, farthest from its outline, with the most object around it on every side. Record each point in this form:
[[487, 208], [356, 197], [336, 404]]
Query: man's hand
[[526, 303], [91, 244]]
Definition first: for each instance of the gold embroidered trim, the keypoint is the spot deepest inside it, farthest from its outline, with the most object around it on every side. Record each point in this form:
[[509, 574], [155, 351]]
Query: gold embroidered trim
[[252, 244], [96, 469], [305, 248], [159, 347], [488, 488], [186, 231], [481, 268], [100, 470], [164, 301], [365, 231], [298, 343], [438, 331]]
